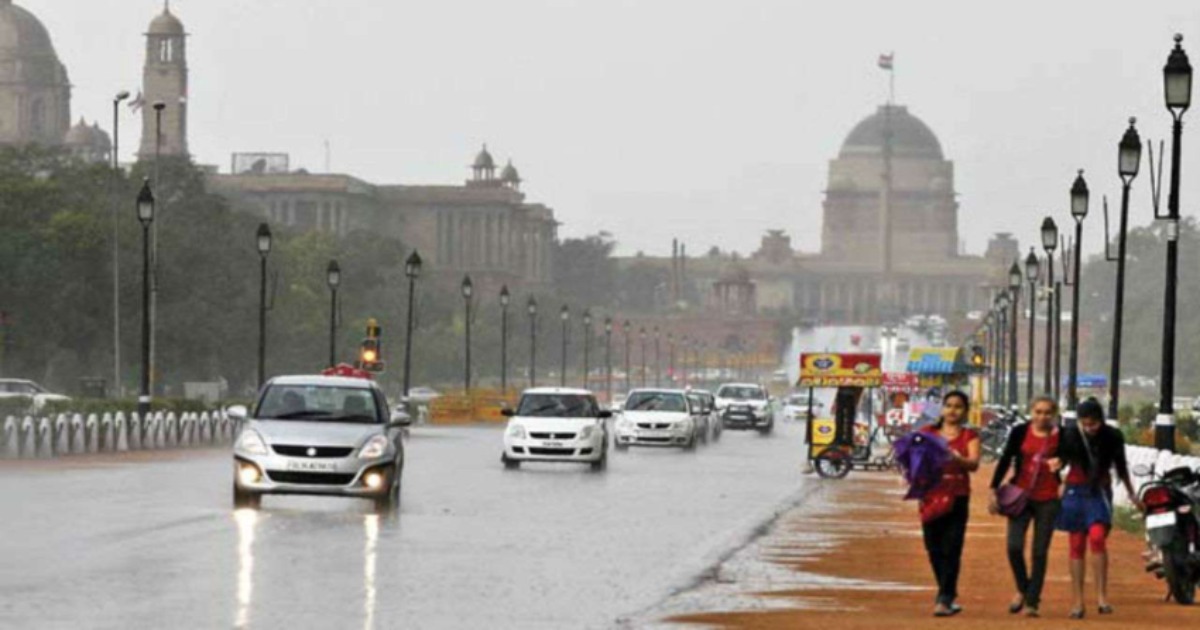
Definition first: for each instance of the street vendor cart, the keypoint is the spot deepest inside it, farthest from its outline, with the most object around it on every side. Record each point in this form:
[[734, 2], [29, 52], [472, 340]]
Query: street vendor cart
[[848, 439]]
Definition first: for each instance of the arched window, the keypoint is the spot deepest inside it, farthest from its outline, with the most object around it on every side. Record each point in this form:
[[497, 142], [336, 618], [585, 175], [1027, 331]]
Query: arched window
[[166, 50]]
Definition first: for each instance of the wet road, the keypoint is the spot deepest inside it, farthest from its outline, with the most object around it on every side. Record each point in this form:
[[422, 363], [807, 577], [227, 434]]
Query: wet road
[[151, 544]]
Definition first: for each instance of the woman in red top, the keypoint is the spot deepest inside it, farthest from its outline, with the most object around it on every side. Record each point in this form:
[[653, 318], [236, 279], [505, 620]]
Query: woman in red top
[[944, 536], [1029, 452]]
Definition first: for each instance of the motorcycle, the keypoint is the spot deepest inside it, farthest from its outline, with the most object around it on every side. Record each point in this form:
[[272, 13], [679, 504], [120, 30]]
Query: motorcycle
[[1172, 517], [994, 435]]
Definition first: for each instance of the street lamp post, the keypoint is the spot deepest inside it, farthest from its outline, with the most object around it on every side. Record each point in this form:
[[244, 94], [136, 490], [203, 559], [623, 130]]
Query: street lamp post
[[468, 290], [1177, 83], [504, 300], [684, 369], [532, 308], [116, 241], [333, 277], [412, 269], [565, 315], [145, 213], [642, 338], [671, 356], [264, 248], [1129, 161], [608, 329], [1032, 273], [657, 359], [587, 344], [1014, 290], [628, 363], [1049, 243], [1001, 361], [1079, 210]]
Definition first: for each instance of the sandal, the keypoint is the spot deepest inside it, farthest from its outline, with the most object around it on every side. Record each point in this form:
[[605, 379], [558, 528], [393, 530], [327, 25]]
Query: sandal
[[1016, 606], [1106, 609], [1076, 614], [1032, 612], [943, 611]]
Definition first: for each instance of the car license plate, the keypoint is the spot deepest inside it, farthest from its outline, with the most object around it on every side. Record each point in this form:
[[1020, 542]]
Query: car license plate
[[549, 444], [1155, 521], [310, 466]]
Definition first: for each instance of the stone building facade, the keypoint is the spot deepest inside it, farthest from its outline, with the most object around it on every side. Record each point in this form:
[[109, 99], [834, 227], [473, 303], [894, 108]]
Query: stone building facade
[[165, 82], [35, 92]]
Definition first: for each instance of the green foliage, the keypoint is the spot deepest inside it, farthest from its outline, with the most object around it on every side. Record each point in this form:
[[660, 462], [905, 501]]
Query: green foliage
[[15, 406], [1128, 519], [86, 406]]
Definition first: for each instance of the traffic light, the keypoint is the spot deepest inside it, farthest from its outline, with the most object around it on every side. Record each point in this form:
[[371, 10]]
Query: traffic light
[[370, 352], [978, 359]]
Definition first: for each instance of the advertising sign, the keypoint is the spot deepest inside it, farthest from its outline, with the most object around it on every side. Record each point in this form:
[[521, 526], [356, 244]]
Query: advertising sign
[[826, 369], [901, 382]]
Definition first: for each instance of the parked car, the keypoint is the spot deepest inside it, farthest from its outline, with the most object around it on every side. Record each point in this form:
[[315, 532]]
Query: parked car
[[319, 435], [656, 417], [11, 388], [554, 424], [708, 409], [796, 406], [745, 406]]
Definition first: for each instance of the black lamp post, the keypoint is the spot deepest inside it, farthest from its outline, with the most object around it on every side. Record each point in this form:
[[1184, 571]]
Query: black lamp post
[[1079, 210], [145, 214], [1049, 243], [412, 269], [1032, 273], [565, 315], [628, 362], [657, 359], [1014, 291], [468, 290], [504, 301], [1001, 358], [333, 277], [684, 369], [642, 337], [532, 308], [608, 328], [264, 248], [587, 345], [1129, 161], [1177, 83], [671, 356]]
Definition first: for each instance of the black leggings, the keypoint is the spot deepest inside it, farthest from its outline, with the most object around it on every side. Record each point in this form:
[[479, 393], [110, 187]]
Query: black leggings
[[1042, 514], [944, 542]]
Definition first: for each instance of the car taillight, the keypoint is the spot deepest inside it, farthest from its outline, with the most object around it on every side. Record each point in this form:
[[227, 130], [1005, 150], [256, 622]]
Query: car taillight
[[1157, 497]]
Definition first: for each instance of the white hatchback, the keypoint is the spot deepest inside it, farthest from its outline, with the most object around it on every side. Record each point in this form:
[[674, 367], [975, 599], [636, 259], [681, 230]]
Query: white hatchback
[[656, 417], [554, 424]]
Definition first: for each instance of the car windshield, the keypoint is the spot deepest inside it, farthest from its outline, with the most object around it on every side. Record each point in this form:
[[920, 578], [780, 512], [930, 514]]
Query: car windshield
[[18, 387], [655, 401], [558, 406], [322, 403], [742, 393]]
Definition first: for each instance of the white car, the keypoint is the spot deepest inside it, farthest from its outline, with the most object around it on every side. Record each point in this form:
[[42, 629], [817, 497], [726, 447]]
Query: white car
[[20, 388], [745, 406], [656, 417], [553, 424], [796, 407]]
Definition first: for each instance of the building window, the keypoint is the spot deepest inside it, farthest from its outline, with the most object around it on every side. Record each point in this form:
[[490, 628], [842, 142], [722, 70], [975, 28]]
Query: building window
[[166, 50]]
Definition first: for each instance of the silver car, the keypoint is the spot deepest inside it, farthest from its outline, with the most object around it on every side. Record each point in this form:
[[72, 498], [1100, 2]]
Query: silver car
[[319, 435]]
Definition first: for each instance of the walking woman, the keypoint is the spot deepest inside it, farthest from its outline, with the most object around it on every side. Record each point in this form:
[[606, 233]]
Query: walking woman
[[1091, 449], [944, 509], [1029, 497]]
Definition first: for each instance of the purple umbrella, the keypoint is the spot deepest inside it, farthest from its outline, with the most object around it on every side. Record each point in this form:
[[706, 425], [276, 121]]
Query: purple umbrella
[[922, 457]]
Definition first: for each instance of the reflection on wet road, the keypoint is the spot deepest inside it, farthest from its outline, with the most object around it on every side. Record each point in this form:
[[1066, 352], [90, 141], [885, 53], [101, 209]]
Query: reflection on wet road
[[156, 544]]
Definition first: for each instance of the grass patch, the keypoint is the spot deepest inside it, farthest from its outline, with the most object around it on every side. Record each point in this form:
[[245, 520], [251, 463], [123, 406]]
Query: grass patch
[[1127, 518]]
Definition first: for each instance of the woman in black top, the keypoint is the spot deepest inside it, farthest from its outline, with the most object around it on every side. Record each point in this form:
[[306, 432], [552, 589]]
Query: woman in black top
[[1028, 452], [1092, 449]]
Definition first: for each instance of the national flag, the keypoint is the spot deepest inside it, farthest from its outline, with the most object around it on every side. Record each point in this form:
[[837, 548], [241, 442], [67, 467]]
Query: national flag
[[137, 103], [886, 61]]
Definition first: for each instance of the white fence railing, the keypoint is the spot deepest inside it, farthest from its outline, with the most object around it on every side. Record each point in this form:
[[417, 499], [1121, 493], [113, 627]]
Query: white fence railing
[[76, 434], [1161, 460]]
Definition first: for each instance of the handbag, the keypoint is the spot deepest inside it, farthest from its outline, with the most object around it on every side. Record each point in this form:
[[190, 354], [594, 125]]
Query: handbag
[[1013, 499], [936, 504]]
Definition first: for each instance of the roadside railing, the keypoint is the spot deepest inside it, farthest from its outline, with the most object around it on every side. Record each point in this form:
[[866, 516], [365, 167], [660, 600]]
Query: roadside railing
[[64, 434]]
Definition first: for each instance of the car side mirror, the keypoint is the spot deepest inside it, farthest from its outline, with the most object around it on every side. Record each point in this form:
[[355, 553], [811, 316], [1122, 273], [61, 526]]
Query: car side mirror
[[400, 419], [237, 413], [507, 413], [605, 414]]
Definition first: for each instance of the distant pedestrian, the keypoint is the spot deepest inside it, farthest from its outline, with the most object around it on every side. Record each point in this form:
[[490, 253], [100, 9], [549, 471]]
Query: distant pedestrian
[[1091, 449], [1030, 496], [945, 508]]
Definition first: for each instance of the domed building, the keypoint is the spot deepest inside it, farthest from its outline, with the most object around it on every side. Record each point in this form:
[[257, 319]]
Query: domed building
[[35, 93], [88, 142]]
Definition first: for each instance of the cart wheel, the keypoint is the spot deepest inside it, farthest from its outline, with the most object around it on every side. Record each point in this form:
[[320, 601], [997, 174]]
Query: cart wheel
[[832, 464]]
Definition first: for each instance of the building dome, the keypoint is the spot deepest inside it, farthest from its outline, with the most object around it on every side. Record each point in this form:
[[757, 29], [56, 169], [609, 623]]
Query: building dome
[[910, 136], [164, 23], [484, 160], [26, 52], [510, 175], [88, 142]]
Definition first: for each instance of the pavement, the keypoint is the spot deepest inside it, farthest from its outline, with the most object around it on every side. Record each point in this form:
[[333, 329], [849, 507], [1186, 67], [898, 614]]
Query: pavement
[[151, 541]]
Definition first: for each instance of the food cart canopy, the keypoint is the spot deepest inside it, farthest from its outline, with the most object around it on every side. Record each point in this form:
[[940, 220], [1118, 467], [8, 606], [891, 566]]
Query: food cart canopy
[[932, 361]]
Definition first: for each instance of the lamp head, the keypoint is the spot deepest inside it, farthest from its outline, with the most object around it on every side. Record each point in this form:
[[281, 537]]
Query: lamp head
[[468, 288], [1049, 235], [1079, 197], [264, 239], [1129, 153], [1177, 79], [145, 203], [333, 274], [412, 266], [504, 296]]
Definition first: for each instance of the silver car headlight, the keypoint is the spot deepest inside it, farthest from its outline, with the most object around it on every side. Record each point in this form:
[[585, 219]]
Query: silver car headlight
[[252, 443], [683, 425], [624, 423], [586, 432], [516, 431], [375, 447]]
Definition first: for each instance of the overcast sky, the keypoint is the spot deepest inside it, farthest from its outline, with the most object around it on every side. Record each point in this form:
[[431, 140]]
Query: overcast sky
[[708, 120]]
